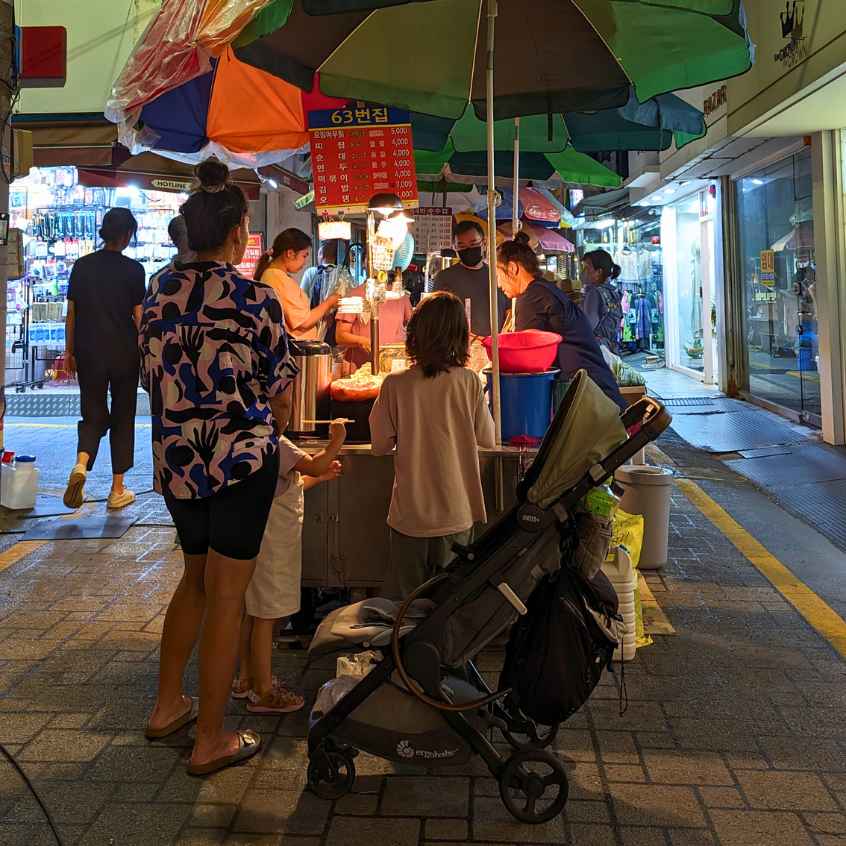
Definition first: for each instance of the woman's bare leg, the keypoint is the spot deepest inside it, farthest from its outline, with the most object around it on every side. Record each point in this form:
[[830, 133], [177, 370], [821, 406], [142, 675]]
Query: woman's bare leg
[[244, 652], [117, 483], [226, 582], [181, 628], [261, 665]]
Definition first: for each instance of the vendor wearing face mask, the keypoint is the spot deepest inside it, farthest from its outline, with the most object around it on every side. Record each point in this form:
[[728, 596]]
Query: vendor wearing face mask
[[469, 279]]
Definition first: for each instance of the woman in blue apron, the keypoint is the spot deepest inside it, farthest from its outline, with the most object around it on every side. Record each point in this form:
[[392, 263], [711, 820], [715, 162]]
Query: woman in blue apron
[[542, 305]]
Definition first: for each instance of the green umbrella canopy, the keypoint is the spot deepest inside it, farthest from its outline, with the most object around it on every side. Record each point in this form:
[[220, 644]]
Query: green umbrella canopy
[[569, 164], [555, 56], [635, 126]]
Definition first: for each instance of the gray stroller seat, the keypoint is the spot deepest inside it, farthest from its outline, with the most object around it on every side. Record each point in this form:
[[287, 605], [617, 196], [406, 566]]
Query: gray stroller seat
[[365, 625]]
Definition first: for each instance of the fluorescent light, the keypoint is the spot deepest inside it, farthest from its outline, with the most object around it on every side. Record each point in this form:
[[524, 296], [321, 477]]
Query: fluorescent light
[[757, 181], [605, 223], [330, 230]]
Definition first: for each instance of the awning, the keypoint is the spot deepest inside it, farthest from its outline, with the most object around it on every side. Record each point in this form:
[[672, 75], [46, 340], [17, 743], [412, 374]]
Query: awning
[[155, 173], [602, 203], [81, 144]]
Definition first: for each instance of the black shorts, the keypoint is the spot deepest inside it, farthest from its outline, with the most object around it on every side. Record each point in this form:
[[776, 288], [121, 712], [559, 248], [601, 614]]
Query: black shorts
[[232, 522]]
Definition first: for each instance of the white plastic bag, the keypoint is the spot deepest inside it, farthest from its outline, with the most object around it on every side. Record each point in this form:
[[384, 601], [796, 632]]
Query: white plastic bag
[[356, 666], [331, 694]]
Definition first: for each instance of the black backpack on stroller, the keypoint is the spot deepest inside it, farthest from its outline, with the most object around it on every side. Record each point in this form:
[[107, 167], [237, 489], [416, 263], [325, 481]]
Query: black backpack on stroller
[[557, 652]]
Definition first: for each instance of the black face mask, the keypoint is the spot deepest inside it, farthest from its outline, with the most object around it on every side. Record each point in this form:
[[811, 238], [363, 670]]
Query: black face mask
[[471, 256]]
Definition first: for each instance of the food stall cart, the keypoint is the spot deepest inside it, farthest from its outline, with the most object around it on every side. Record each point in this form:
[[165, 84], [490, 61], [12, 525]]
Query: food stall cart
[[345, 536]]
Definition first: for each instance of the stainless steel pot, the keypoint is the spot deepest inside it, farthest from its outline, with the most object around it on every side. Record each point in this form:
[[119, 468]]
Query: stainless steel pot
[[311, 386]]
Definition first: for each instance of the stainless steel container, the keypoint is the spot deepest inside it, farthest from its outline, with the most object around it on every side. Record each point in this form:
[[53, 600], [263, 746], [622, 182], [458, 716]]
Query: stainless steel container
[[311, 387]]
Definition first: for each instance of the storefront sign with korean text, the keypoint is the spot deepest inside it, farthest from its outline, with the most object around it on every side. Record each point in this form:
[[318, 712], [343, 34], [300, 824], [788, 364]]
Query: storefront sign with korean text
[[768, 268], [359, 151], [252, 255]]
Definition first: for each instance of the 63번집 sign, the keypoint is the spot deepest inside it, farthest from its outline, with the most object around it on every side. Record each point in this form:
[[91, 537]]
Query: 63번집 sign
[[358, 151]]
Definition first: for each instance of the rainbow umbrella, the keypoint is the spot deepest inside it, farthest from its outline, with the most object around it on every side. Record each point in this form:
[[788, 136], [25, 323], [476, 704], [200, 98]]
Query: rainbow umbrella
[[236, 112]]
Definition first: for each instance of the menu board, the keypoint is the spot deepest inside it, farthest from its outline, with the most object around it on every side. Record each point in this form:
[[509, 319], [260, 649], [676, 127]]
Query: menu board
[[252, 255], [432, 229], [358, 151]]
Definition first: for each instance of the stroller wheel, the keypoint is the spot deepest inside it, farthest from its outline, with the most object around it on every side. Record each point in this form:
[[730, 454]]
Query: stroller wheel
[[533, 786], [331, 773], [529, 735]]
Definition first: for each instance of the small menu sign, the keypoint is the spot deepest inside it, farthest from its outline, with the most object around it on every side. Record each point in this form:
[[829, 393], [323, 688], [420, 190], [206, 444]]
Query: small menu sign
[[358, 151], [432, 229], [252, 255]]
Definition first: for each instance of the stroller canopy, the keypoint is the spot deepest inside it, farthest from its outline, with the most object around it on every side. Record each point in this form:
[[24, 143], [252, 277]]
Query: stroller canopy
[[587, 428]]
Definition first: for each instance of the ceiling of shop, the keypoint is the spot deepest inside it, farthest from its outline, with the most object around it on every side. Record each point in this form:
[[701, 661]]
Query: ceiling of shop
[[735, 157], [825, 108]]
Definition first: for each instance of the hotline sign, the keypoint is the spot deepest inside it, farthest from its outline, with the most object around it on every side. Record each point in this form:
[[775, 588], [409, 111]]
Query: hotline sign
[[358, 151]]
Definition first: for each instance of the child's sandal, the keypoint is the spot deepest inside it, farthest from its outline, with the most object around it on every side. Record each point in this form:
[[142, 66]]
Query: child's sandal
[[279, 701]]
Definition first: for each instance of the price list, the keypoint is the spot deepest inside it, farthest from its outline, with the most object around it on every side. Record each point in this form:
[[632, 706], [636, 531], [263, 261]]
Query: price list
[[355, 155], [432, 229]]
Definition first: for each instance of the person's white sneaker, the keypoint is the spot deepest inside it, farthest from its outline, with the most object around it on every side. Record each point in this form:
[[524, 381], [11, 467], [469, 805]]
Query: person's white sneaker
[[120, 500], [74, 493]]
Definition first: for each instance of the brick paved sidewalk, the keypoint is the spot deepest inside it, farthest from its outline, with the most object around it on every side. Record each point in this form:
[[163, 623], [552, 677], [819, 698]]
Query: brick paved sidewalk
[[735, 732]]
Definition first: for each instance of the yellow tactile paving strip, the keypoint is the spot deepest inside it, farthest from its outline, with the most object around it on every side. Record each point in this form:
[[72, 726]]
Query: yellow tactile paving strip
[[813, 609]]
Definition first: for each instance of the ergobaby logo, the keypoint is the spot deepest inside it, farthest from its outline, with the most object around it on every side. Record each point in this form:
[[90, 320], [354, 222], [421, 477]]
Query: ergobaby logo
[[407, 751]]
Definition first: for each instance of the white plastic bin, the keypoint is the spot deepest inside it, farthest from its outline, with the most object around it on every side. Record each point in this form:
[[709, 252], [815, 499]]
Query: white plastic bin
[[647, 492], [621, 574], [19, 483]]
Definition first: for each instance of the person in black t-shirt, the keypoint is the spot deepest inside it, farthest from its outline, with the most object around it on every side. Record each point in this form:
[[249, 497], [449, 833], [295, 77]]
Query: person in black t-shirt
[[105, 294], [468, 280]]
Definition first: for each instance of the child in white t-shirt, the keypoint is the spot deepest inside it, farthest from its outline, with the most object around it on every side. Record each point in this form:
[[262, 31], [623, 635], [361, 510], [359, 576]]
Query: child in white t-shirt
[[274, 591]]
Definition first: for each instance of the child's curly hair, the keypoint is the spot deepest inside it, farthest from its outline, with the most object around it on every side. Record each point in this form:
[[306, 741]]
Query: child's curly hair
[[437, 337]]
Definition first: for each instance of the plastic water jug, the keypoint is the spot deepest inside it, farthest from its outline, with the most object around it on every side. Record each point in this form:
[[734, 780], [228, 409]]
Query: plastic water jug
[[19, 483]]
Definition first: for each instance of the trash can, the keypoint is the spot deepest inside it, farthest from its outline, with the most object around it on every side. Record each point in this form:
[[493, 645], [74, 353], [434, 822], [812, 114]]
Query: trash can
[[647, 492]]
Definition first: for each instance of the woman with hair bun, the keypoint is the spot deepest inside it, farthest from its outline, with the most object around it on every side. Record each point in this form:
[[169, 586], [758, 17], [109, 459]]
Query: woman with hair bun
[[216, 364], [288, 255], [601, 303], [101, 346], [543, 305]]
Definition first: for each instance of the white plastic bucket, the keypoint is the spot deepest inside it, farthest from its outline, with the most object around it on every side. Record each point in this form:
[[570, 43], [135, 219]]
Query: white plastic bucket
[[19, 483], [647, 492]]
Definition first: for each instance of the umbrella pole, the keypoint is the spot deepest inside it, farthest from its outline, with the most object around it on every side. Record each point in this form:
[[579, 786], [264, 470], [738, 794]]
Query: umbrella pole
[[494, 299], [515, 210]]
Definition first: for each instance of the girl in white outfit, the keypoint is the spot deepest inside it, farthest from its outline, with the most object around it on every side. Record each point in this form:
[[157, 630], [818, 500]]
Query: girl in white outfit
[[274, 591]]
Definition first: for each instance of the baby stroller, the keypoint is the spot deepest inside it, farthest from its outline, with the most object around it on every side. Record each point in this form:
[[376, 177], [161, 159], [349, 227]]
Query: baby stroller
[[425, 702]]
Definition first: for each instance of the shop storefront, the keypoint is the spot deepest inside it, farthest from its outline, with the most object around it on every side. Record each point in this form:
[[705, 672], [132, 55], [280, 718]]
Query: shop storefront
[[775, 222], [641, 282], [688, 236], [60, 218], [633, 238]]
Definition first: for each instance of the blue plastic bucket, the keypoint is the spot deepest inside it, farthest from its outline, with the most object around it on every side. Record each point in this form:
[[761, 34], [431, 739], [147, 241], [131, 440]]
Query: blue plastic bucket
[[526, 403]]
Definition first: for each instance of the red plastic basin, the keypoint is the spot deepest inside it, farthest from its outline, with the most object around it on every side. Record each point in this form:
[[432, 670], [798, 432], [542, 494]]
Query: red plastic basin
[[531, 351]]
